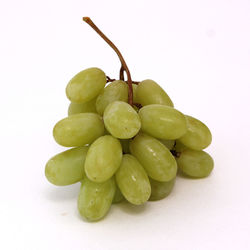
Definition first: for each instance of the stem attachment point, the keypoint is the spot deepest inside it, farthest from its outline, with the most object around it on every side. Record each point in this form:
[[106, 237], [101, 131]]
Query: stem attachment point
[[124, 66]]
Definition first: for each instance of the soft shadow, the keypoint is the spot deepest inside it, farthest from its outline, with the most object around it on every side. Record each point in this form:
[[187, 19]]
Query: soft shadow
[[62, 193], [132, 209]]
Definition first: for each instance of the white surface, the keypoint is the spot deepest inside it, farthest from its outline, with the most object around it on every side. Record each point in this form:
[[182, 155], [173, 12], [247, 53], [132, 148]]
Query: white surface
[[199, 51]]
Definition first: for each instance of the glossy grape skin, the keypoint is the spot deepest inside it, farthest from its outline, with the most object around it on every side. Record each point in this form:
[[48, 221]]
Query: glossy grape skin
[[118, 197], [121, 120], [157, 160], [87, 107], [162, 122], [86, 85], [115, 91], [160, 190], [195, 163], [78, 130], [168, 143], [67, 167], [198, 135], [103, 158], [95, 199], [149, 92], [133, 180], [125, 145]]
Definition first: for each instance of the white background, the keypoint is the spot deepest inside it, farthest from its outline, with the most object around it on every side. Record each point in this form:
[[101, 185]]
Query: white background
[[199, 51]]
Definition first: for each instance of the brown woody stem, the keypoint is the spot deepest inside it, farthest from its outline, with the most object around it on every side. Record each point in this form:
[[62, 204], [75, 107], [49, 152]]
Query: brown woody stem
[[121, 77], [124, 65], [109, 79]]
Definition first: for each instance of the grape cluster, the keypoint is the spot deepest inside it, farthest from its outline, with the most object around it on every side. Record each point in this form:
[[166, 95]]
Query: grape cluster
[[122, 151]]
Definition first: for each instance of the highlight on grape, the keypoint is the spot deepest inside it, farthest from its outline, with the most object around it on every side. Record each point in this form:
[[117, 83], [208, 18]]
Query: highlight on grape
[[127, 141]]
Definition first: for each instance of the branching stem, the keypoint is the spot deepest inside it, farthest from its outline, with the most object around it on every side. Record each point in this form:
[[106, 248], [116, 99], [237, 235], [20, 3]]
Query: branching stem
[[124, 66]]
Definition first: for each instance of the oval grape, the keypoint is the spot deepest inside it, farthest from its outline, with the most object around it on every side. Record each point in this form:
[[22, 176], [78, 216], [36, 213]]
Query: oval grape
[[195, 163], [198, 135], [149, 92], [121, 120], [160, 190], [87, 107], [133, 180], [67, 167], [115, 91], [86, 85], [134, 86], [95, 199], [168, 143], [157, 160], [162, 122], [103, 158], [118, 197], [78, 130]]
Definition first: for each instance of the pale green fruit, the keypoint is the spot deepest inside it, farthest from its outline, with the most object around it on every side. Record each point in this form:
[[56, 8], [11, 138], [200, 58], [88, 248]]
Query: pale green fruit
[[195, 163], [121, 120], [103, 158], [154, 157], [134, 86], [198, 136], [87, 107], [86, 85], [149, 92], [160, 190], [78, 130], [67, 167], [118, 196], [162, 122], [95, 199], [168, 143], [133, 180], [115, 91]]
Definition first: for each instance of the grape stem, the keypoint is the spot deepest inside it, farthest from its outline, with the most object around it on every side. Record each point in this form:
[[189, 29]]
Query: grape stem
[[121, 73], [124, 66], [108, 79]]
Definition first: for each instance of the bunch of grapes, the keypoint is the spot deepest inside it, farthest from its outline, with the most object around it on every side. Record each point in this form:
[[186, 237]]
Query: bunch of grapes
[[128, 141]]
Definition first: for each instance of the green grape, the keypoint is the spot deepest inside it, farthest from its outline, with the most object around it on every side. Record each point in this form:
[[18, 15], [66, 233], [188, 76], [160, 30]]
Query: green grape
[[179, 147], [121, 120], [67, 167], [160, 190], [86, 85], [115, 91], [162, 122], [133, 180], [87, 107], [154, 157], [198, 135], [95, 199], [168, 143], [125, 145], [195, 163], [118, 196], [134, 86], [149, 92], [78, 130], [103, 158]]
